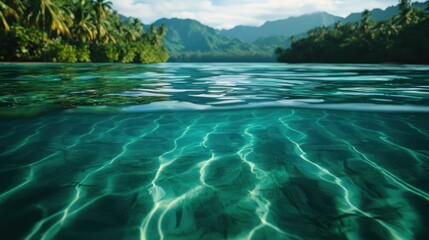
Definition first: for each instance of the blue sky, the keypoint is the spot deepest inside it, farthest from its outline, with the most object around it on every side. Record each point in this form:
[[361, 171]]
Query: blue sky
[[229, 13]]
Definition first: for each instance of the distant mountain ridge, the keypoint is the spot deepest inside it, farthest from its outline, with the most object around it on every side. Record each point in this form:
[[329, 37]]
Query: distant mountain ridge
[[298, 25], [287, 27], [379, 15], [188, 39], [191, 35]]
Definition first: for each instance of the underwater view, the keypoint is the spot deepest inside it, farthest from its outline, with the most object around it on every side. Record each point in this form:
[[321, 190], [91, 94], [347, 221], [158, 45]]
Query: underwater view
[[214, 151]]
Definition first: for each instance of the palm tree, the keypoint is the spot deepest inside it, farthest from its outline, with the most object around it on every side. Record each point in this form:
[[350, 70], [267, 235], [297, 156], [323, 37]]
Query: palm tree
[[156, 34], [385, 35], [366, 25], [318, 33], [162, 31], [127, 30], [102, 8], [17, 5], [101, 12], [366, 20], [389, 28], [50, 16], [405, 16], [83, 28], [138, 26], [5, 11], [404, 5]]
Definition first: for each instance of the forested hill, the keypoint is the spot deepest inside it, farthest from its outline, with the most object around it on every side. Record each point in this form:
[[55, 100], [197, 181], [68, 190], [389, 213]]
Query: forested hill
[[403, 38], [189, 40], [191, 35], [296, 26], [75, 31], [286, 27], [91, 31]]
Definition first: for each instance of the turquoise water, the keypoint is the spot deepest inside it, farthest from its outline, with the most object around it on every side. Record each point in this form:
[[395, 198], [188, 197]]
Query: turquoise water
[[214, 151]]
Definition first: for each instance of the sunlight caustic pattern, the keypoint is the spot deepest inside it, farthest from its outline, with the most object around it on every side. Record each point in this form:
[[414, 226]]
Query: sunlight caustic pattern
[[214, 151], [244, 174]]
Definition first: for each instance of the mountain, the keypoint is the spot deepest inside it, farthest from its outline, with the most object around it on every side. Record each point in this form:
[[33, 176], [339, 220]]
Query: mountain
[[189, 40], [191, 35], [273, 40], [288, 27], [298, 25], [379, 15]]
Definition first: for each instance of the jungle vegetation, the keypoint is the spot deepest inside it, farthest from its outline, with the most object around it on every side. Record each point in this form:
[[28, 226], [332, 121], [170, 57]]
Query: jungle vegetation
[[75, 31], [401, 39]]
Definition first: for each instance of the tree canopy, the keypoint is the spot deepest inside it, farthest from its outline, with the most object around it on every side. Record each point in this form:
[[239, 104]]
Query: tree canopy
[[401, 39], [75, 31]]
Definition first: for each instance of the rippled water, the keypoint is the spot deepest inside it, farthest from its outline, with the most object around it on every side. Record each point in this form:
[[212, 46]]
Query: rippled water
[[214, 151]]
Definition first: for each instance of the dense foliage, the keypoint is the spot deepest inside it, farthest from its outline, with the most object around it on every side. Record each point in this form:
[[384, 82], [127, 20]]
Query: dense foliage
[[75, 31], [401, 39]]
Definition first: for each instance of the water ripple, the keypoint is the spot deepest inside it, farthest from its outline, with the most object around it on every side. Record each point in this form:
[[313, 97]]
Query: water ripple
[[214, 151], [214, 86], [242, 174]]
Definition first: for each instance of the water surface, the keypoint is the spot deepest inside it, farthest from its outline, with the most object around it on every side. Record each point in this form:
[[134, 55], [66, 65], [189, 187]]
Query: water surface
[[214, 151]]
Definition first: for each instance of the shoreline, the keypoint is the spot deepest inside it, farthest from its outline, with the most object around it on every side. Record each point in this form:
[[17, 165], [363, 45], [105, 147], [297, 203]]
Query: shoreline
[[218, 62]]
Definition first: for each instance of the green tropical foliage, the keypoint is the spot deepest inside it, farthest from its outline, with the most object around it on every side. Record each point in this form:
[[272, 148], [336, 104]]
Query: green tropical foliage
[[191, 41], [75, 31], [402, 39], [5, 12]]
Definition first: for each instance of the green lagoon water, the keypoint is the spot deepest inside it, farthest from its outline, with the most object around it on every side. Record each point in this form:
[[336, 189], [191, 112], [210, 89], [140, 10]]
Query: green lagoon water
[[214, 151]]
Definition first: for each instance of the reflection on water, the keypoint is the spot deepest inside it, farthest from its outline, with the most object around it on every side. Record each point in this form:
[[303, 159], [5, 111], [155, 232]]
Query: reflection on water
[[30, 89], [214, 151]]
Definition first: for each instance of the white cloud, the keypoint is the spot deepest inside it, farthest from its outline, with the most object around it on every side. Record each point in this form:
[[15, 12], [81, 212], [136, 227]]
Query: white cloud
[[228, 13]]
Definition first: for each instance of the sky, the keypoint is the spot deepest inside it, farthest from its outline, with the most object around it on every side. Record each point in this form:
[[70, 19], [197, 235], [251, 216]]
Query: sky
[[225, 14]]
